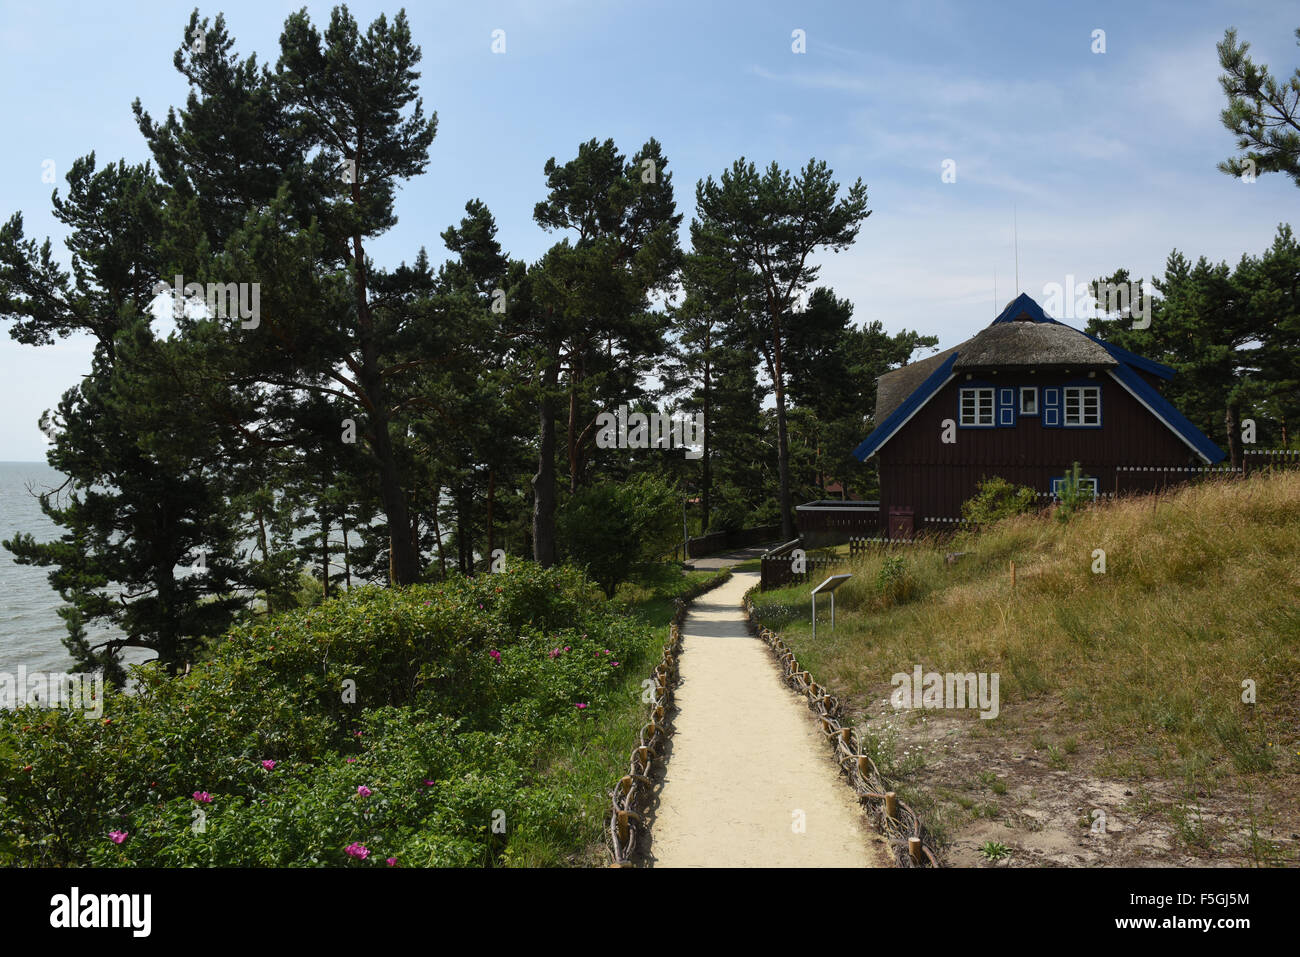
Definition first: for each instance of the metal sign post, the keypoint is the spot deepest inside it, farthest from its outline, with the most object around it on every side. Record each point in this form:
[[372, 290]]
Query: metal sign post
[[829, 586]]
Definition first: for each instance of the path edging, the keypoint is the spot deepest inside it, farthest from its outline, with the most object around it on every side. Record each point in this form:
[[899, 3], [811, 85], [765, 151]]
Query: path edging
[[911, 843], [628, 798]]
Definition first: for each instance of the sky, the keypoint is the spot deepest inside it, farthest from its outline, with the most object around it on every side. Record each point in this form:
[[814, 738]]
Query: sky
[[1086, 161]]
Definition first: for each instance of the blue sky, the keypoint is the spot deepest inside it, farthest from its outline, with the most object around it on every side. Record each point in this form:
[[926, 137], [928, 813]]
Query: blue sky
[[1108, 159]]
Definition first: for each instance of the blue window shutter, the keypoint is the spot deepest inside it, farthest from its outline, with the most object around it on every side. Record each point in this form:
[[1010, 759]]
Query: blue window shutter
[[1006, 407], [1052, 408]]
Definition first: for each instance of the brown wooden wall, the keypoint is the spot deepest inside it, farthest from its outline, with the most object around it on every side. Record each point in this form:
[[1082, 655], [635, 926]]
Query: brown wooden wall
[[918, 470]]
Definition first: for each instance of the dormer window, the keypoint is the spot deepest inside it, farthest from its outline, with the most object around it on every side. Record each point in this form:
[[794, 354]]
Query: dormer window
[[1029, 400]]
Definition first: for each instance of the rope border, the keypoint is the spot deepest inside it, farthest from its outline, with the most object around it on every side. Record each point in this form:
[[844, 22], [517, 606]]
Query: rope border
[[911, 842], [626, 823]]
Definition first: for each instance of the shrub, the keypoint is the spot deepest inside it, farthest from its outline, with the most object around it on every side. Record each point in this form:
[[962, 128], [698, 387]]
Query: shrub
[[1070, 494], [894, 582], [996, 499], [607, 528], [440, 700]]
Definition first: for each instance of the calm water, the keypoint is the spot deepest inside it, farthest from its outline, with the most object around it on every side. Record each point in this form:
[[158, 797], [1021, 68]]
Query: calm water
[[31, 630]]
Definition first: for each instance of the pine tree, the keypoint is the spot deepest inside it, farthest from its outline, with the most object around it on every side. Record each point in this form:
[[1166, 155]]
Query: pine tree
[[770, 225]]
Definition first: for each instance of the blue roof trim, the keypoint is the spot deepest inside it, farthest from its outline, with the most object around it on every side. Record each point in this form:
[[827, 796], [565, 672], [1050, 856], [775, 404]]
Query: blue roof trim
[[1023, 303], [1171, 416], [1133, 359], [919, 397]]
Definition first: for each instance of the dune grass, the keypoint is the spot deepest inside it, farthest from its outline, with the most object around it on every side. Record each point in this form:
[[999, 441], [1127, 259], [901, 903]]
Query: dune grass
[[1146, 659]]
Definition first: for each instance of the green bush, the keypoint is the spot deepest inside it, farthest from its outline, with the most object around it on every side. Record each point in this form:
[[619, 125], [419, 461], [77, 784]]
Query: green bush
[[440, 700], [996, 499], [608, 528], [893, 581], [1070, 495]]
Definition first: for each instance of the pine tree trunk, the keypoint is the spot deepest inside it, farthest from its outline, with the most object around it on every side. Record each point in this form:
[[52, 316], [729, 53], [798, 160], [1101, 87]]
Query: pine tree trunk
[[403, 565], [403, 559], [491, 495], [783, 447], [706, 472], [437, 533], [325, 553], [1230, 418], [347, 560], [544, 480]]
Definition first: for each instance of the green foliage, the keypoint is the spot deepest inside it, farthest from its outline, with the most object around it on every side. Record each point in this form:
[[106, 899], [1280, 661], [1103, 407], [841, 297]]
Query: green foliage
[[607, 528], [1263, 112], [996, 499], [1233, 336], [994, 851], [442, 731], [1071, 495], [893, 581], [761, 230]]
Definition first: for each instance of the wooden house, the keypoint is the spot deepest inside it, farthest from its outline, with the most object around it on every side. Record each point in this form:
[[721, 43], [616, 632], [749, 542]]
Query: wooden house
[[1023, 399]]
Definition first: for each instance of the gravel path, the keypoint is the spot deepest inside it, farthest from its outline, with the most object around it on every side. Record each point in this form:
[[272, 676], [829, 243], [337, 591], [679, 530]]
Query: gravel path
[[750, 781]]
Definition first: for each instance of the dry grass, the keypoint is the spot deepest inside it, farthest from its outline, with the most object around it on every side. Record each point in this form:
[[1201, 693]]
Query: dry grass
[[1145, 662]]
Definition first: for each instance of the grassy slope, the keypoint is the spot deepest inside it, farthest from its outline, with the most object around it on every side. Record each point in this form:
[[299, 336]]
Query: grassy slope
[[1134, 675], [596, 755]]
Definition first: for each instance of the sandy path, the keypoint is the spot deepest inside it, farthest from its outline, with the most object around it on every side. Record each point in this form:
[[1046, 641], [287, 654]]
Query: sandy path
[[747, 763]]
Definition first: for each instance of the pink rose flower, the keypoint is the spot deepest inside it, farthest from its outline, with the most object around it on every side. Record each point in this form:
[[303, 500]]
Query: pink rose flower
[[117, 837], [203, 797], [364, 791], [357, 849], [269, 765]]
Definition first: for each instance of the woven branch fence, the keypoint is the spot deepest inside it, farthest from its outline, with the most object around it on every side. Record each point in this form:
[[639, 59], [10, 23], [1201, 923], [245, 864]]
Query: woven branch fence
[[908, 838], [625, 827]]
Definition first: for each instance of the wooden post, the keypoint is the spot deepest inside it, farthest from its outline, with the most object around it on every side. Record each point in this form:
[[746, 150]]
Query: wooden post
[[891, 805], [914, 849]]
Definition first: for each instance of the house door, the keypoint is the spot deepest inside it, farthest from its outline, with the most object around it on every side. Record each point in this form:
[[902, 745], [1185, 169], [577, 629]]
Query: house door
[[900, 521]]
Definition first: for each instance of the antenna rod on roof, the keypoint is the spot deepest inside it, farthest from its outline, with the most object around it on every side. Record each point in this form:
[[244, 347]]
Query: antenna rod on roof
[[995, 292], [1015, 232]]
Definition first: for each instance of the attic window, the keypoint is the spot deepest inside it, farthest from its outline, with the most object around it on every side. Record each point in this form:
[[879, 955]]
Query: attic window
[[977, 407]]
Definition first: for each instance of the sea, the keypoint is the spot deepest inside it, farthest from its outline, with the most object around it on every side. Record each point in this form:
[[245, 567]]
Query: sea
[[31, 631]]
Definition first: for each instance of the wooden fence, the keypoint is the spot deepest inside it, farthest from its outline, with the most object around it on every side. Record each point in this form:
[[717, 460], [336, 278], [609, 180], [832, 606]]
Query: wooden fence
[[831, 522], [1143, 479], [715, 542]]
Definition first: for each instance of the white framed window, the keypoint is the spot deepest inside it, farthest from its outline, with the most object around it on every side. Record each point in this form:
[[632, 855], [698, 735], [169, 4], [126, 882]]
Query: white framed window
[[1082, 405], [1029, 400], [1085, 485], [976, 407]]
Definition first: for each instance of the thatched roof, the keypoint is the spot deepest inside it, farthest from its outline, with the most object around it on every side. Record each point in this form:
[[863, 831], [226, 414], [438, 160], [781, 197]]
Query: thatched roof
[[893, 388], [1037, 345], [1003, 345]]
